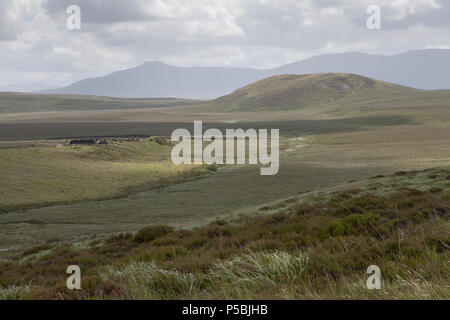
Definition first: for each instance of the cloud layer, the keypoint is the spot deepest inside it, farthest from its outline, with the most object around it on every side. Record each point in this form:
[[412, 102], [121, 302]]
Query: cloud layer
[[37, 47]]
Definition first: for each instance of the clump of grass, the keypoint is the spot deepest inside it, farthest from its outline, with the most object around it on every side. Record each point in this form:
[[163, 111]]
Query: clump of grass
[[252, 271], [259, 267], [147, 281], [15, 292]]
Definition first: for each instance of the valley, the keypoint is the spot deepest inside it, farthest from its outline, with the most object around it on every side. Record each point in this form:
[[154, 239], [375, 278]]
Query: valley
[[341, 135]]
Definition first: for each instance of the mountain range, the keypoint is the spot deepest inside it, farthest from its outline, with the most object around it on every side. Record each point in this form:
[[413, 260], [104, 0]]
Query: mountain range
[[423, 69]]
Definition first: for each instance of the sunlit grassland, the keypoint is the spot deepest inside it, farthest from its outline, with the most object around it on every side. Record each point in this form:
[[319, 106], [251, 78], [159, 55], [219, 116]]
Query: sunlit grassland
[[36, 175], [45, 173]]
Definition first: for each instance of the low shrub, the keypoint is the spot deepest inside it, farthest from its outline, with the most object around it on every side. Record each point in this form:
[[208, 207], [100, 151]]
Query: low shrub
[[151, 233]]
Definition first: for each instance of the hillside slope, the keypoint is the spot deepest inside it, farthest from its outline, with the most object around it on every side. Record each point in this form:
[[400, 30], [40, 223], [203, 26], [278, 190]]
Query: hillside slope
[[314, 246], [22, 102], [296, 92]]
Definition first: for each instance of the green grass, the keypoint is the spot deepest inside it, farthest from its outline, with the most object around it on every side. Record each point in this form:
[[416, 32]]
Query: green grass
[[325, 160], [15, 292], [307, 250]]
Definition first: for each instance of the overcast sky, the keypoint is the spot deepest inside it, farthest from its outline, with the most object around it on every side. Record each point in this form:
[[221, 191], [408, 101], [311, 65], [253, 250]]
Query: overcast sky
[[37, 48]]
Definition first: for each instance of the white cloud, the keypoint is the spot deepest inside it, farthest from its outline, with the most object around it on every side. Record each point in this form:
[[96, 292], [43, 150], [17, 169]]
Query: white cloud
[[438, 46], [118, 34]]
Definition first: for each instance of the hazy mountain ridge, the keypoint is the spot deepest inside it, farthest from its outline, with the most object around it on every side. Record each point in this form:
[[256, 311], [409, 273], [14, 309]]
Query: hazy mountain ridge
[[155, 79], [424, 69]]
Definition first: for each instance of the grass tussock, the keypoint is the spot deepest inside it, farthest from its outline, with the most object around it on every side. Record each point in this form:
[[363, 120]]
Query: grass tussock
[[252, 272], [15, 292]]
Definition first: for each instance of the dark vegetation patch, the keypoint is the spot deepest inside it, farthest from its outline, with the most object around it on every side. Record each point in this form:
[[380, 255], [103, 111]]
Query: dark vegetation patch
[[99, 130], [36, 249], [160, 141], [151, 233], [435, 190], [86, 142]]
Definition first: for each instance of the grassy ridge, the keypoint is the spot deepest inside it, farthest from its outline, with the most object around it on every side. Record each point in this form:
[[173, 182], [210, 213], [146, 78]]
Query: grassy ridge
[[314, 247], [27, 102], [299, 92]]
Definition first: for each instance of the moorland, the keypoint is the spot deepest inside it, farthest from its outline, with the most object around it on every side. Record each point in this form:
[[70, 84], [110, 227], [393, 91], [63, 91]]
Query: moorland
[[364, 179]]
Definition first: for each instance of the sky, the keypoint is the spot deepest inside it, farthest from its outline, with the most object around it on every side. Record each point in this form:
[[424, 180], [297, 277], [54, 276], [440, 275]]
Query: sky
[[39, 51]]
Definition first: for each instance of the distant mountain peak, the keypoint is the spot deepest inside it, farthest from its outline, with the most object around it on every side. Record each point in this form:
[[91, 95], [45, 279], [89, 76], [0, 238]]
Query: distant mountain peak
[[424, 69], [154, 63]]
